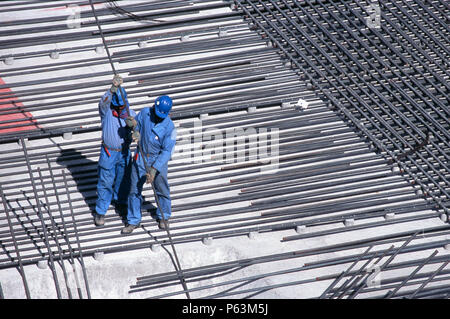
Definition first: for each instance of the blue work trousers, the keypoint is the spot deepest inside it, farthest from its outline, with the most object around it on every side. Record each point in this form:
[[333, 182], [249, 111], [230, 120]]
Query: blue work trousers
[[135, 199], [113, 182]]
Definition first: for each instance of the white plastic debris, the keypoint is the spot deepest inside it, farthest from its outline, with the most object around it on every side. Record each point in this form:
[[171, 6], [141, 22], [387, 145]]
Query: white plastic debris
[[302, 104]]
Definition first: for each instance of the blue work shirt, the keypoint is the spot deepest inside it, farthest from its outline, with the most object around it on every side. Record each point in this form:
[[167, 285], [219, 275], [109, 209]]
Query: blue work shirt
[[115, 133], [157, 141]]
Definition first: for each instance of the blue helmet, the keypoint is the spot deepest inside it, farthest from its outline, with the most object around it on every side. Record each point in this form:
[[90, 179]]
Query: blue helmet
[[119, 97], [163, 105]]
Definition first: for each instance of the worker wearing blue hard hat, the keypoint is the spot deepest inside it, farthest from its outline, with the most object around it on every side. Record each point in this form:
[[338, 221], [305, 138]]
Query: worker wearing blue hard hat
[[155, 134], [115, 159]]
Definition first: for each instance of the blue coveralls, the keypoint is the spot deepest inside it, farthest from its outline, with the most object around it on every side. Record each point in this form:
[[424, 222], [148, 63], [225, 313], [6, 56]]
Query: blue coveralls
[[114, 162], [158, 142]]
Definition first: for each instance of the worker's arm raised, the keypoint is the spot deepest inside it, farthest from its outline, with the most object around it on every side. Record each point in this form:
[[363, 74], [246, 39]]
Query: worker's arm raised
[[104, 104]]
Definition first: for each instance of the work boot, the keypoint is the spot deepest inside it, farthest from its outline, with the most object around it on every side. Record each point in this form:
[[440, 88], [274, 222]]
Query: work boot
[[129, 229], [99, 220], [161, 224]]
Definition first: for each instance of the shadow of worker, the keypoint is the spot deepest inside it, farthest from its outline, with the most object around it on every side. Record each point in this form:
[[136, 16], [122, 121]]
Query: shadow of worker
[[83, 172]]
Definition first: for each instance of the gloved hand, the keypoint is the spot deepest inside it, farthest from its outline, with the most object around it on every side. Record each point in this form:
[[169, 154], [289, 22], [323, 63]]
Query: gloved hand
[[131, 122], [136, 136], [151, 175], [116, 82]]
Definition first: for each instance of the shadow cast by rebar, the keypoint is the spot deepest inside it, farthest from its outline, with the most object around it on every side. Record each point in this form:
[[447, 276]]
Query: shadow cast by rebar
[[27, 230]]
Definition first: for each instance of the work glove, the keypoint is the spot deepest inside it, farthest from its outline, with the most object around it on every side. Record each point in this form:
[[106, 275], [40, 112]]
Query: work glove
[[131, 122], [136, 136], [116, 82], [151, 175]]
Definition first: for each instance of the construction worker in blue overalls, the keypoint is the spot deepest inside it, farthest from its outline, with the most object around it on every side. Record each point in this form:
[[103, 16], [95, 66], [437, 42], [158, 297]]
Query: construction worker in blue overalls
[[155, 134], [114, 165]]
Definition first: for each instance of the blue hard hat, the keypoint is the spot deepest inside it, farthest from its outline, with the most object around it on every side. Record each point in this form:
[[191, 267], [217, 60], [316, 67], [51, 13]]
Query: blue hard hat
[[163, 105], [119, 97]]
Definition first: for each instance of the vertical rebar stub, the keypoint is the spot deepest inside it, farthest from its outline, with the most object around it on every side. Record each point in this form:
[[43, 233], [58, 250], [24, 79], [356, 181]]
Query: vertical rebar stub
[[447, 247], [389, 216], [223, 33], [42, 264], [285, 105], [99, 255], [67, 135], [395, 169], [251, 109], [185, 38], [207, 241], [8, 60], [25, 140], [155, 247], [301, 229], [418, 190], [54, 55], [99, 49], [252, 235], [349, 222], [142, 44], [443, 217]]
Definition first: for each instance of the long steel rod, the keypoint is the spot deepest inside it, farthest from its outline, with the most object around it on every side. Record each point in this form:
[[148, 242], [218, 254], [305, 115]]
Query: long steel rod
[[430, 278], [66, 233], [16, 247], [383, 266], [44, 227], [392, 293], [343, 274], [356, 277], [55, 235], [80, 252]]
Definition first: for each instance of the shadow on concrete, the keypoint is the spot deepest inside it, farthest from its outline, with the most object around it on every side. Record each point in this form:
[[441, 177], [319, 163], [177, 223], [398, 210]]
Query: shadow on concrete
[[149, 208], [83, 172]]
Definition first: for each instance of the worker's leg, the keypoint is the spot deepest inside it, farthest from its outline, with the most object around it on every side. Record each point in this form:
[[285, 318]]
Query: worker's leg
[[104, 189], [122, 183], [135, 197], [163, 192]]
